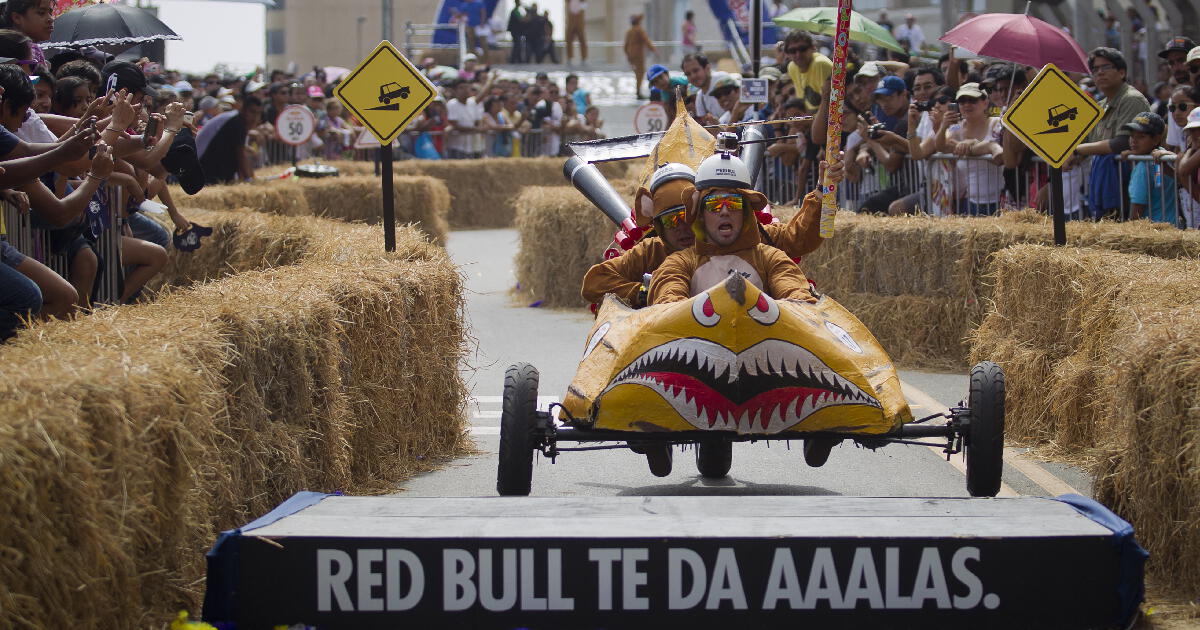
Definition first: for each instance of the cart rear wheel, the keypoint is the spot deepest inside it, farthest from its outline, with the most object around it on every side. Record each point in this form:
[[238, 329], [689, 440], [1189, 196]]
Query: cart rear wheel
[[514, 473], [659, 457], [714, 458], [816, 450], [984, 441]]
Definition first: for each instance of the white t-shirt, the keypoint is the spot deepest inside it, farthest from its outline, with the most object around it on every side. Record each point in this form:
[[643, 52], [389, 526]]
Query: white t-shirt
[[465, 115], [984, 179], [552, 140], [1174, 133], [706, 103], [34, 130], [914, 35]]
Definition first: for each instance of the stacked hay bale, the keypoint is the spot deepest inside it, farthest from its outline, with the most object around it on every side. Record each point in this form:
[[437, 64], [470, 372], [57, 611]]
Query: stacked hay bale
[[1101, 357], [423, 201], [130, 438], [918, 283]]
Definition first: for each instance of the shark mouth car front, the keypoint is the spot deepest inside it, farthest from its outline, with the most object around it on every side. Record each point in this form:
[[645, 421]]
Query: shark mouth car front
[[770, 387]]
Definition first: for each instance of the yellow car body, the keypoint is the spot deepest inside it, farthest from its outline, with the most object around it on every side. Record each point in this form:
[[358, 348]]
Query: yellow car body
[[732, 359]]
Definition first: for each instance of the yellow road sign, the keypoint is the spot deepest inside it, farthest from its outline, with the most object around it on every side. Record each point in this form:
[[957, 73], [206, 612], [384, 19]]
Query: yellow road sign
[[1052, 116], [385, 92]]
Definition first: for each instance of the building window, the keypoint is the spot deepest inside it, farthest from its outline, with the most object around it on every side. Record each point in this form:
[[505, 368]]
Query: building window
[[275, 42]]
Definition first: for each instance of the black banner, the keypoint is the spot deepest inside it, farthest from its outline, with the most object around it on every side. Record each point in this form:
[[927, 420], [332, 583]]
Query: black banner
[[712, 583]]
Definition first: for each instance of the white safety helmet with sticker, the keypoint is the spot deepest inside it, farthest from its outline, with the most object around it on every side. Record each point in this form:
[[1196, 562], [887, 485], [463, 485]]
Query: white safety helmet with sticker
[[671, 171], [723, 170]]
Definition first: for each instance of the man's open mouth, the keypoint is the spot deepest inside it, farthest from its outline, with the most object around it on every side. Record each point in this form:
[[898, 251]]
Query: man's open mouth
[[767, 388]]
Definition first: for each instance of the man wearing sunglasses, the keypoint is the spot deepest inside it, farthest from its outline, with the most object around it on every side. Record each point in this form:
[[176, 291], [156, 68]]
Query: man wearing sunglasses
[[1108, 181], [808, 68], [728, 241], [665, 207]]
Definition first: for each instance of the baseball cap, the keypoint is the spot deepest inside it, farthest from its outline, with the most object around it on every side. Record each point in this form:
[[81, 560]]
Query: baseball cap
[[1193, 119], [729, 80], [970, 90], [253, 87], [1146, 122], [770, 73], [315, 91], [871, 69], [891, 85], [654, 71], [1193, 55], [208, 102], [1179, 42], [183, 86]]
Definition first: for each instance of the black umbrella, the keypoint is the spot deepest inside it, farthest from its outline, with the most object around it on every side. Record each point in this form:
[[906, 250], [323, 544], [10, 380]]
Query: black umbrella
[[107, 26]]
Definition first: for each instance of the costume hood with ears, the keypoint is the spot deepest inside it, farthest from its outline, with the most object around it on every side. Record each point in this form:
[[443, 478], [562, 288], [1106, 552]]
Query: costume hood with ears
[[670, 186], [724, 172]]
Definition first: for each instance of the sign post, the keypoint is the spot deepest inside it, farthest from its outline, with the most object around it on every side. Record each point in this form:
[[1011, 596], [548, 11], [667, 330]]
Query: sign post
[[385, 92], [1052, 116]]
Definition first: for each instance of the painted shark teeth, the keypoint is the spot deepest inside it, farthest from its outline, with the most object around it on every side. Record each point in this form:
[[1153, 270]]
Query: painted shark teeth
[[769, 358]]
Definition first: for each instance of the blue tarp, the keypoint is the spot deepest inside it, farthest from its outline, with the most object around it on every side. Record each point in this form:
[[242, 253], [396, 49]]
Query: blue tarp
[[445, 12], [1131, 589], [221, 560]]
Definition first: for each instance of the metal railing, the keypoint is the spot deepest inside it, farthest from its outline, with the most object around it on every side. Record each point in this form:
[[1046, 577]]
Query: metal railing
[[944, 184], [939, 185], [36, 243]]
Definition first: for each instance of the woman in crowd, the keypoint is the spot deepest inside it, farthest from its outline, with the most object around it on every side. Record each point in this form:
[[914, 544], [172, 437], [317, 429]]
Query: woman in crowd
[[497, 124], [970, 132]]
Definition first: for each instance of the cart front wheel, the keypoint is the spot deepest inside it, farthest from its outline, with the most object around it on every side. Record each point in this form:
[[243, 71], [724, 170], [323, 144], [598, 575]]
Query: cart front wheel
[[984, 441], [714, 458], [514, 473]]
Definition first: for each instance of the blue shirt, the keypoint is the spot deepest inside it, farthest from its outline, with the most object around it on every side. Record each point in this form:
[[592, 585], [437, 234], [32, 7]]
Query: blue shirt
[[1151, 187], [474, 10], [581, 100], [8, 142]]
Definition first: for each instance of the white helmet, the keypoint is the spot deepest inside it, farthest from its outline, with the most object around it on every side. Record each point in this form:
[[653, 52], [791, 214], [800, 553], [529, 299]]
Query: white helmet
[[669, 172], [723, 170]]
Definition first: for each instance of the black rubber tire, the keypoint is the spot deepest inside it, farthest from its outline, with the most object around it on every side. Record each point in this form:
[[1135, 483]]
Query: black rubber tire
[[714, 458], [514, 473], [660, 458], [984, 442], [816, 450]]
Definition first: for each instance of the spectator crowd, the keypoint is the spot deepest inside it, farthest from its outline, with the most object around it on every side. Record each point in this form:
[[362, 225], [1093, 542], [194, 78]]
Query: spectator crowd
[[919, 136]]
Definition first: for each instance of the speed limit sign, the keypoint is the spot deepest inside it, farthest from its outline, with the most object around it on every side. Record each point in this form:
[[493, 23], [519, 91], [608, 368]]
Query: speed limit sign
[[650, 117], [295, 125]]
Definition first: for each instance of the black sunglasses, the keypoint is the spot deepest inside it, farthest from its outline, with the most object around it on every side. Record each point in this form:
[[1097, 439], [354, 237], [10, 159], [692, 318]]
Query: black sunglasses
[[1181, 107], [797, 50]]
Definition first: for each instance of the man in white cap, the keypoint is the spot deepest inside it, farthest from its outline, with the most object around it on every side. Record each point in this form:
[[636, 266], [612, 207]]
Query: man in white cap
[[911, 31]]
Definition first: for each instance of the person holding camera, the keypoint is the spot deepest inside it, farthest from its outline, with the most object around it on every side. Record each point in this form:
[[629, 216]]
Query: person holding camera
[[968, 132], [883, 143]]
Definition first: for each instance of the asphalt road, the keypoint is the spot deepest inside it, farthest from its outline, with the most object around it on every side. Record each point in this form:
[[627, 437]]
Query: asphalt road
[[507, 332]]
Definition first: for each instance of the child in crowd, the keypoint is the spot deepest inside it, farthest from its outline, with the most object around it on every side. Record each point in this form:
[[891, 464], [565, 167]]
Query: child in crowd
[[1152, 192]]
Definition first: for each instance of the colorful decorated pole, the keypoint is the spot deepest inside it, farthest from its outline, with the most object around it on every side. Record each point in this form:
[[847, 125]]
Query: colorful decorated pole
[[837, 93]]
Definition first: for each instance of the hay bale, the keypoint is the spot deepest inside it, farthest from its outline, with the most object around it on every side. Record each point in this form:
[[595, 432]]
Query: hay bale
[[247, 241], [129, 438], [562, 236], [1076, 307], [482, 191], [1152, 477], [423, 201]]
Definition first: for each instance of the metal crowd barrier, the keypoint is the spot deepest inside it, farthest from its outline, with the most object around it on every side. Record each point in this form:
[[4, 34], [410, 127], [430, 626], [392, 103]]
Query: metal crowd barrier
[[944, 184], [35, 243]]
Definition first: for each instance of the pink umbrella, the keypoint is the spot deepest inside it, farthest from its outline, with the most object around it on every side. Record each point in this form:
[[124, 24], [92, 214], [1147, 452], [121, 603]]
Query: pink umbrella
[[1018, 38]]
